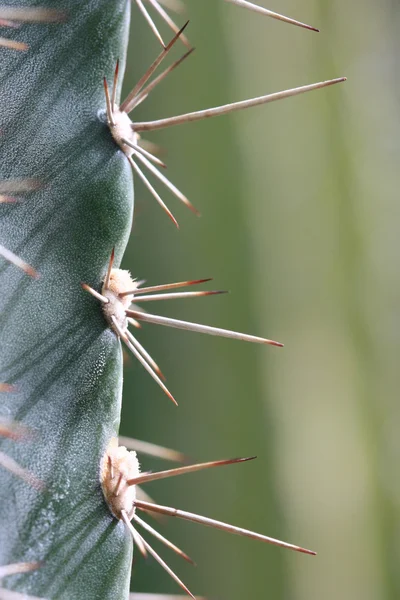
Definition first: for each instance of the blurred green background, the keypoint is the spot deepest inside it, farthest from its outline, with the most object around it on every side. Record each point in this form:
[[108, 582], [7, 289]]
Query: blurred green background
[[300, 214]]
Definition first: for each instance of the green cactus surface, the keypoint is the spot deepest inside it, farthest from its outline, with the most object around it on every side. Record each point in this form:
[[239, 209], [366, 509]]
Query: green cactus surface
[[63, 362]]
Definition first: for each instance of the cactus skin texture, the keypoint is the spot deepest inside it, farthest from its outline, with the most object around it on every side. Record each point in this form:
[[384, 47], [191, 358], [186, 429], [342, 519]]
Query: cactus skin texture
[[56, 350]]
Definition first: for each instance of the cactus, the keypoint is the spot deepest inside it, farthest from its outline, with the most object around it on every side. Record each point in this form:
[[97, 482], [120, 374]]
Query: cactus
[[67, 372], [61, 371]]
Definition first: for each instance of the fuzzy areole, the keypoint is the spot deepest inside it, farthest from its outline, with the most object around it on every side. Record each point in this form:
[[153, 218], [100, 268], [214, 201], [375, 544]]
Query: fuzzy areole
[[118, 466]]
